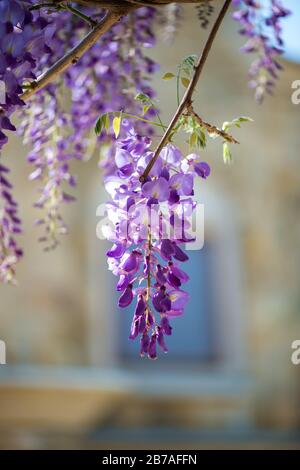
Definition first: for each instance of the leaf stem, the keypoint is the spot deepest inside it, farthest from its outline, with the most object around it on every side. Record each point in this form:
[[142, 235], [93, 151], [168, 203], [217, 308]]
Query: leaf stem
[[177, 84]]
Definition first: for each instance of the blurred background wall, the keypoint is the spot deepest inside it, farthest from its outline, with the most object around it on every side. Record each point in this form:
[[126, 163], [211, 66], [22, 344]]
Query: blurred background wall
[[72, 380]]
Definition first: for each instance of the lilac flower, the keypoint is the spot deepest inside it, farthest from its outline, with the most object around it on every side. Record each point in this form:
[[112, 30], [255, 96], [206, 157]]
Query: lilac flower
[[147, 262]]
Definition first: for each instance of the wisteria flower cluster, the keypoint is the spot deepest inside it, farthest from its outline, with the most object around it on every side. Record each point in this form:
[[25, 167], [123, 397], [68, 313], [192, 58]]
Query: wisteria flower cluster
[[10, 225], [35, 35], [106, 78], [22, 39], [262, 28], [149, 223]]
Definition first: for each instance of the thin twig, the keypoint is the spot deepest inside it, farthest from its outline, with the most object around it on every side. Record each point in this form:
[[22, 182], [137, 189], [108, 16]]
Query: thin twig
[[211, 129], [81, 15], [76, 53], [110, 4], [61, 6], [187, 97], [39, 6]]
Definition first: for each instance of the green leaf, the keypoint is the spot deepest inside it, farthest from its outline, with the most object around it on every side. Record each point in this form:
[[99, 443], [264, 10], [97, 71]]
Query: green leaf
[[100, 124], [185, 81], [168, 76], [245, 119], [188, 64], [106, 121], [202, 139], [227, 156], [117, 125], [235, 122], [146, 108], [193, 140], [142, 98]]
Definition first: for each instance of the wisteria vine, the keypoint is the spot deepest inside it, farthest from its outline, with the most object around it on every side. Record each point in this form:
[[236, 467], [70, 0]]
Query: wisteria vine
[[107, 73]]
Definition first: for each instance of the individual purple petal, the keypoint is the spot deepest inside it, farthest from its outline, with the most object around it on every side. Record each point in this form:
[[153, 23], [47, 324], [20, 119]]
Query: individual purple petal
[[167, 248], [179, 273], [158, 189], [140, 307], [134, 331], [144, 345], [174, 196], [179, 299], [117, 251], [152, 347], [202, 169], [123, 282], [160, 277], [165, 326], [126, 298], [157, 299], [129, 263], [160, 340], [6, 124], [182, 183], [179, 254], [142, 324], [171, 154], [173, 280], [187, 185], [122, 158], [165, 303], [165, 174], [144, 161]]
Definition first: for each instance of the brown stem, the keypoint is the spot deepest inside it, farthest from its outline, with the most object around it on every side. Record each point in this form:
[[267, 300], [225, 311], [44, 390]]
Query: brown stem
[[187, 97], [110, 4], [76, 53], [211, 129]]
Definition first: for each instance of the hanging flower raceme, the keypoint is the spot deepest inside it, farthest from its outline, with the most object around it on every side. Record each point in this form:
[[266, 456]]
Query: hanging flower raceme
[[149, 223], [50, 156], [107, 77], [10, 225], [23, 37], [261, 25]]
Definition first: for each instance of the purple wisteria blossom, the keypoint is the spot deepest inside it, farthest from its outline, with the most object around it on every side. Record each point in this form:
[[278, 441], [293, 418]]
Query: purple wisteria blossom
[[261, 25], [22, 40], [148, 225], [10, 225], [107, 77], [50, 155]]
